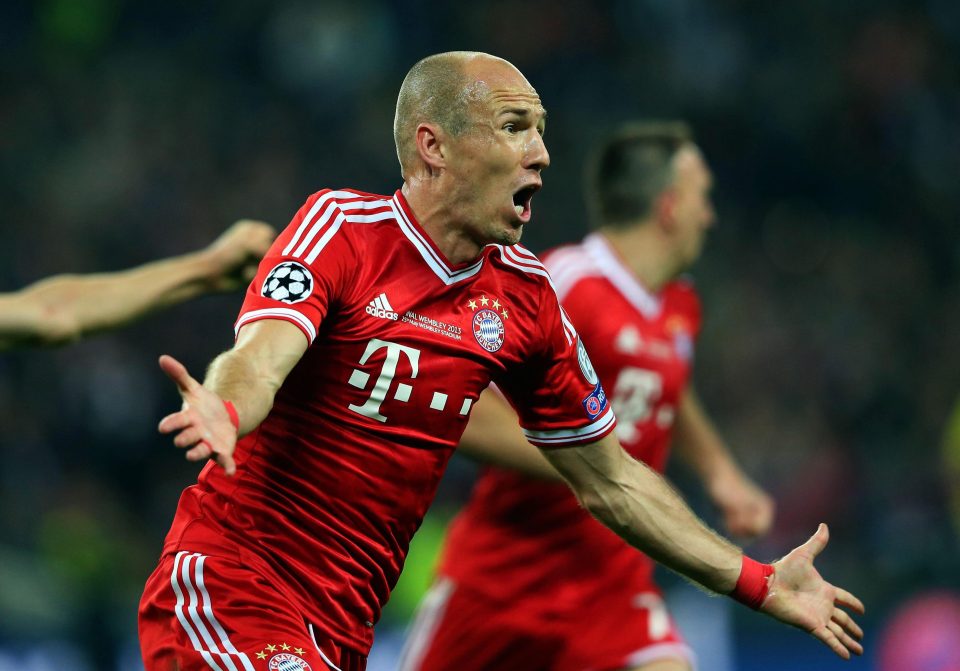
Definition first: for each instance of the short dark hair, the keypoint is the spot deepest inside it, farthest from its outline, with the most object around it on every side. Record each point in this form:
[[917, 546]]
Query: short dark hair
[[630, 169]]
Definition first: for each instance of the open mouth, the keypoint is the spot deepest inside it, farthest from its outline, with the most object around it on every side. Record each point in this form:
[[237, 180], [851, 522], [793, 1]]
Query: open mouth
[[521, 201]]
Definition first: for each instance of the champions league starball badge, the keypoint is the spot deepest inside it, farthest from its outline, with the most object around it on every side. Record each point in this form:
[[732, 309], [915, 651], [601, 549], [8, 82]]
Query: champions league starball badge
[[289, 282]]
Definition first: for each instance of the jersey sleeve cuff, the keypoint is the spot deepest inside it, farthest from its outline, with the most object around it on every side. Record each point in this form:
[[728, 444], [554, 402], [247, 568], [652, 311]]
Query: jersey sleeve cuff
[[590, 433], [286, 314]]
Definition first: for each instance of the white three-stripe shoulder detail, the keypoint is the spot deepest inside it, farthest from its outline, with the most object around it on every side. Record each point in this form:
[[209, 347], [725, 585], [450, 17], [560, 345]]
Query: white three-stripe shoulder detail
[[309, 220], [329, 212], [531, 265]]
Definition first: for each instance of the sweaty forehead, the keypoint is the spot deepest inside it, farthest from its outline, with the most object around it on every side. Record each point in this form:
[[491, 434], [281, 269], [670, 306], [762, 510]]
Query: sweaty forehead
[[496, 100], [501, 86], [516, 98]]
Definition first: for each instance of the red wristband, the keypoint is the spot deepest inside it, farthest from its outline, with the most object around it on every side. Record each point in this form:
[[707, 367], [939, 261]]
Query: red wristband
[[752, 585], [234, 417]]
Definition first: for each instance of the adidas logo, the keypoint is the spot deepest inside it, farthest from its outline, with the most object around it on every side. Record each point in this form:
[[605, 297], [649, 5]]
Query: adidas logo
[[380, 307]]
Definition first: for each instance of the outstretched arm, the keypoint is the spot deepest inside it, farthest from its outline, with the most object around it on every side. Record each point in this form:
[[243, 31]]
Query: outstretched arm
[[747, 510], [64, 308], [247, 376], [493, 437], [640, 506]]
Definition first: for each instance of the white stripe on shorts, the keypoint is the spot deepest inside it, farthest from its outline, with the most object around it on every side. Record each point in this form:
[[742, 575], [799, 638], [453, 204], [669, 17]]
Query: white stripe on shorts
[[184, 581], [425, 623]]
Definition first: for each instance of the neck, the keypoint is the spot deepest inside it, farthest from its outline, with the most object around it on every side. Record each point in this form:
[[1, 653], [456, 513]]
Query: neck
[[646, 253], [439, 221]]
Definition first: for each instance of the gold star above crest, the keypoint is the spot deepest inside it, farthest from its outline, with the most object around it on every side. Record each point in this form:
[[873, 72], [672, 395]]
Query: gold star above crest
[[299, 651], [284, 647], [496, 304], [261, 655], [472, 305], [484, 300], [504, 313], [272, 648]]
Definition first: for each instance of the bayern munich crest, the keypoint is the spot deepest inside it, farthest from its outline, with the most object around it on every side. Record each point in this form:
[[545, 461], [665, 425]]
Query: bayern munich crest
[[488, 330], [488, 318], [287, 662]]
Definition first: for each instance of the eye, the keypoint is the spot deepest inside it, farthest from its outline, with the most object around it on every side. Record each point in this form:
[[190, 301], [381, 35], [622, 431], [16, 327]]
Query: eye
[[510, 127]]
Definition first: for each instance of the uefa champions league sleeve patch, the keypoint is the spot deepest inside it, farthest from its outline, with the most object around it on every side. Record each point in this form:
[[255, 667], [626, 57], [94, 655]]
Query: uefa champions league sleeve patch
[[595, 402], [288, 282]]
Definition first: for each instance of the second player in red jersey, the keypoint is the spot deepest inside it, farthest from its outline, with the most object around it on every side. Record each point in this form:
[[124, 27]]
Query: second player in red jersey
[[523, 552]]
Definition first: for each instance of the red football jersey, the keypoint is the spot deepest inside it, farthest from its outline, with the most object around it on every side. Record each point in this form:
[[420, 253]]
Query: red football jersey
[[523, 539], [332, 485]]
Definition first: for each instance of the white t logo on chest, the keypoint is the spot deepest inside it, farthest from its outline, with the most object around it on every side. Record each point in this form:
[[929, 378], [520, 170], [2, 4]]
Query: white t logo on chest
[[359, 379]]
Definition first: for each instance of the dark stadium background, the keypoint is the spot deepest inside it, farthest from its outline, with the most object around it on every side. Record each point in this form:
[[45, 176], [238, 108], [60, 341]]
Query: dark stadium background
[[831, 351]]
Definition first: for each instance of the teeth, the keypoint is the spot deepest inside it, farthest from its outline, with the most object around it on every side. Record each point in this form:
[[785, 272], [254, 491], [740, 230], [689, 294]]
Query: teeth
[[519, 209]]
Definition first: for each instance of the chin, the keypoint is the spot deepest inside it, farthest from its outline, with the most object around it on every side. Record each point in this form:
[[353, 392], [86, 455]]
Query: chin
[[511, 236]]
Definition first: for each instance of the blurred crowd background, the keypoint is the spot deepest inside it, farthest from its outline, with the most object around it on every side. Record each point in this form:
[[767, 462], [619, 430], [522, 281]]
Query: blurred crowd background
[[831, 351]]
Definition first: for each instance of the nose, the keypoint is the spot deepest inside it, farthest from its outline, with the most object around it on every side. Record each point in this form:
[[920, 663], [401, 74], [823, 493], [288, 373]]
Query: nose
[[537, 157]]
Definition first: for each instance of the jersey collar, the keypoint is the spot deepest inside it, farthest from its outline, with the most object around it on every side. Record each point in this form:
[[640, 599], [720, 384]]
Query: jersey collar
[[611, 265], [448, 274]]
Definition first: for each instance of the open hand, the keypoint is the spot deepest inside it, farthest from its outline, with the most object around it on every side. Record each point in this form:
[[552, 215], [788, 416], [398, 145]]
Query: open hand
[[236, 253], [202, 425], [800, 597], [747, 510]]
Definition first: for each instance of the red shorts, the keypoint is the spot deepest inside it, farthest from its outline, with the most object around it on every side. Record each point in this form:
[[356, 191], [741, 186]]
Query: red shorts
[[201, 612], [458, 628]]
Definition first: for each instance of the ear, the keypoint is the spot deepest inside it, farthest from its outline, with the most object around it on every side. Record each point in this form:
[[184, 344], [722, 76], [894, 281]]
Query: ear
[[429, 139], [665, 206]]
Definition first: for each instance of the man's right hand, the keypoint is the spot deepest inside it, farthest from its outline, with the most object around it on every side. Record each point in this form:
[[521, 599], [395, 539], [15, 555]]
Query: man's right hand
[[202, 425], [235, 254], [800, 597]]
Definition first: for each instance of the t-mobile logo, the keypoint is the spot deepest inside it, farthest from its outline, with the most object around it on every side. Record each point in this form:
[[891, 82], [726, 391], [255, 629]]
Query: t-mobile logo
[[359, 379]]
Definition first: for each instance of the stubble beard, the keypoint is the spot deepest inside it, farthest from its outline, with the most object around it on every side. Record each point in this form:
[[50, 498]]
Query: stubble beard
[[509, 236]]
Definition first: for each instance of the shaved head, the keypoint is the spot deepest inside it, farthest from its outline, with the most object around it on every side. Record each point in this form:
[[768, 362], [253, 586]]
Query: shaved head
[[438, 89]]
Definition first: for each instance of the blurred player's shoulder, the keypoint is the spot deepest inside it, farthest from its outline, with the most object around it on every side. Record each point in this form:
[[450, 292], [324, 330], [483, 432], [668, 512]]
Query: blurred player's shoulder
[[569, 265], [681, 296]]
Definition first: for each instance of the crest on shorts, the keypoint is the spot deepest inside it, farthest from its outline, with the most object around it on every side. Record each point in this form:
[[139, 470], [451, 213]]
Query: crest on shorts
[[286, 661], [488, 322], [283, 657]]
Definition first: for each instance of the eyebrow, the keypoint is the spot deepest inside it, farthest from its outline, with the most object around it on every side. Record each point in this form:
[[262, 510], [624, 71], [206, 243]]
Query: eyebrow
[[523, 112]]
